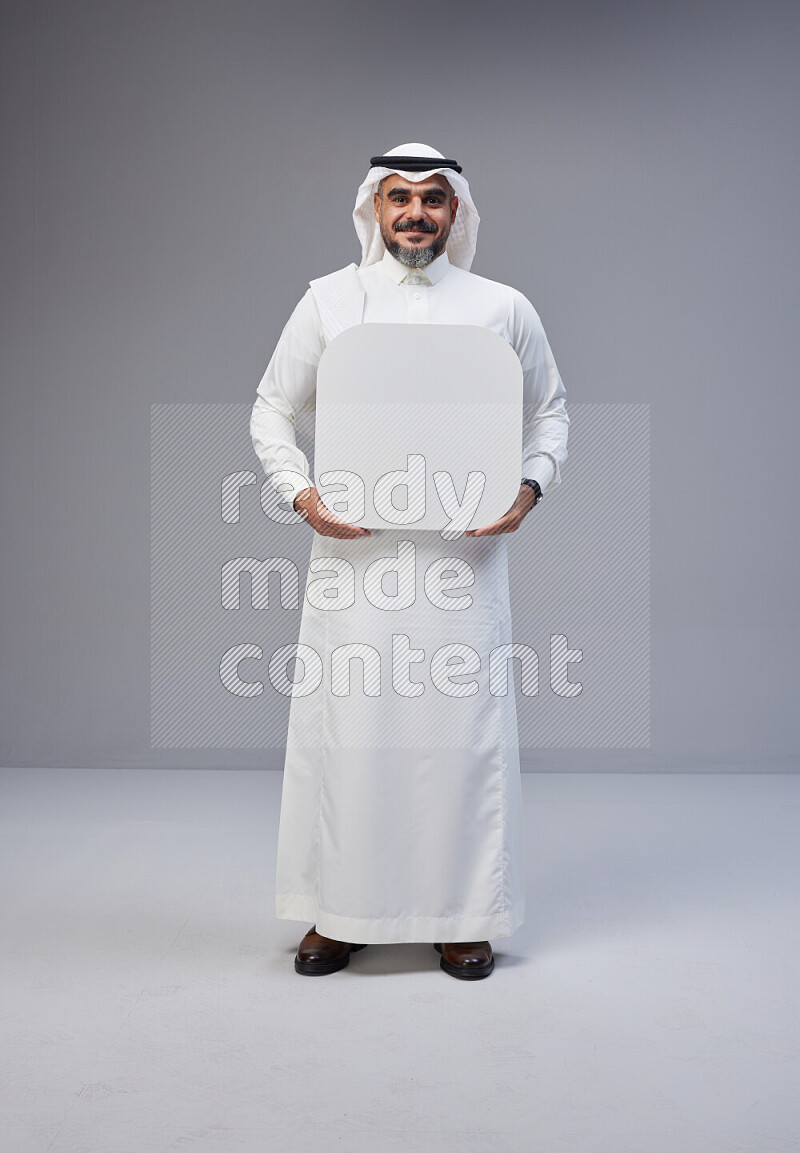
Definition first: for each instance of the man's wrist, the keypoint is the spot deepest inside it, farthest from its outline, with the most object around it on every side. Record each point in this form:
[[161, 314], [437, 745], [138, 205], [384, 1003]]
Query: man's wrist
[[534, 485], [301, 498]]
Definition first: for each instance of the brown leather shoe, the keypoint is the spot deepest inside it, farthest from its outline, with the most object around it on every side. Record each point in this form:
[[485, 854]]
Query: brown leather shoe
[[317, 955], [467, 960]]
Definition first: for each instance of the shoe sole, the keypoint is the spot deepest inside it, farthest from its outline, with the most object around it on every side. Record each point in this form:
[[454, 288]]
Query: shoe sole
[[464, 974], [323, 968]]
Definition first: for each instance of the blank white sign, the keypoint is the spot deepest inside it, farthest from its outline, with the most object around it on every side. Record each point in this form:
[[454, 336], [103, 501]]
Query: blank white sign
[[419, 426]]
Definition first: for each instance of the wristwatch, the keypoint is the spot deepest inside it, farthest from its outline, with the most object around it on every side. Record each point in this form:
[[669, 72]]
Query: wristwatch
[[534, 484]]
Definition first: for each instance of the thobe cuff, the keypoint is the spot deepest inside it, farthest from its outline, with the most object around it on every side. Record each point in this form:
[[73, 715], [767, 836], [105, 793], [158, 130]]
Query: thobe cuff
[[540, 468], [288, 484]]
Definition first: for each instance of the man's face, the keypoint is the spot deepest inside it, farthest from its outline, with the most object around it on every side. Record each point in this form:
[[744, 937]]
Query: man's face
[[415, 218]]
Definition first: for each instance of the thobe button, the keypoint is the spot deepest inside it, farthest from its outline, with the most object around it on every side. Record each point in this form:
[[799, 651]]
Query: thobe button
[[418, 296]]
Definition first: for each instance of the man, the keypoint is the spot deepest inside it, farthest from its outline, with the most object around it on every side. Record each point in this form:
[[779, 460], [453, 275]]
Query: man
[[401, 805]]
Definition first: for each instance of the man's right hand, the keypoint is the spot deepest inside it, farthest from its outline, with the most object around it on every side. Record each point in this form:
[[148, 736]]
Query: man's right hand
[[308, 504]]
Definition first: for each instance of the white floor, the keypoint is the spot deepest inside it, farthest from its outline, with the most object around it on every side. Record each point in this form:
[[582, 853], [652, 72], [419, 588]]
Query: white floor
[[150, 1004]]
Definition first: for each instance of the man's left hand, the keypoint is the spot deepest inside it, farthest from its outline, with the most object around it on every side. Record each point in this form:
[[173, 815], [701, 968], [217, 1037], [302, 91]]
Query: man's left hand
[[526, 499]]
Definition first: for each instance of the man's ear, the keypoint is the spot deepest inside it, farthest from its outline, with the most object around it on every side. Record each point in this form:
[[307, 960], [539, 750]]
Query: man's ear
[[376, 203], [453, 208]]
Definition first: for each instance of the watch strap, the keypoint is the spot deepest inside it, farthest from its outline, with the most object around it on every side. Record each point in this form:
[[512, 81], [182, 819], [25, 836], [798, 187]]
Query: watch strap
[[534, 484]]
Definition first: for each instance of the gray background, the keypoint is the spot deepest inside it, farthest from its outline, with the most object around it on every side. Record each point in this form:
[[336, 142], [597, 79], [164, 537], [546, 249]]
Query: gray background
[[173, 175]]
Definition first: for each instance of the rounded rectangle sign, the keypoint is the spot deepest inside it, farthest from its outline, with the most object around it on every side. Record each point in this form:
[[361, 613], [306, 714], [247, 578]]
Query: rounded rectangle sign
[[419, 425]]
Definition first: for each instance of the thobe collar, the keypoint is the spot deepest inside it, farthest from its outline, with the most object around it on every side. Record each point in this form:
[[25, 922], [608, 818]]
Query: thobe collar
[[430, 275]]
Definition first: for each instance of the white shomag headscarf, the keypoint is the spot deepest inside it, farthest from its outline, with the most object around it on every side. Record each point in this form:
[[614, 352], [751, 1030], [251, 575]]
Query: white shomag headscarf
[[464, 233]]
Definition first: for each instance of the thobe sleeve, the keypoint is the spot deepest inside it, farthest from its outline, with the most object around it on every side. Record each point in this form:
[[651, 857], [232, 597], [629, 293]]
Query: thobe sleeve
[[545, 420], [287, 387]]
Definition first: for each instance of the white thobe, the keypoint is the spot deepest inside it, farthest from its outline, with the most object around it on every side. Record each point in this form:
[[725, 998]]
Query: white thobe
[[401, 804]]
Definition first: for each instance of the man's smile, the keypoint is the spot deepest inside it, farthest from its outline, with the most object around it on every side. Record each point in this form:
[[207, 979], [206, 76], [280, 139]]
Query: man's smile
[[416, 229]]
